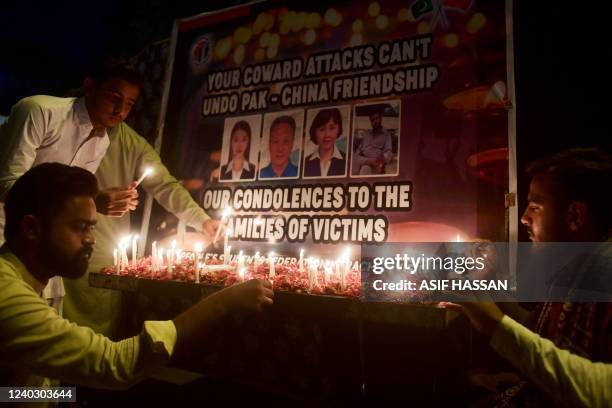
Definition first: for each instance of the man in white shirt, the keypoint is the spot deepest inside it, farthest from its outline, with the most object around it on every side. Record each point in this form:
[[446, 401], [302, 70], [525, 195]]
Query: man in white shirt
[[43, 129]]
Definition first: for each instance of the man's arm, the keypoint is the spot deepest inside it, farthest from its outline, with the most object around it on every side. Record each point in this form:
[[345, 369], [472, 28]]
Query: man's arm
[[564, 377], [388, 149], [168, 191], [20, 137], [33, 335]]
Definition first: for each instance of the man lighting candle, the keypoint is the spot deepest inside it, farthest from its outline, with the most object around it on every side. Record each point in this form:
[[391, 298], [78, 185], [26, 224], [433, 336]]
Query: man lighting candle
[[50, 218]]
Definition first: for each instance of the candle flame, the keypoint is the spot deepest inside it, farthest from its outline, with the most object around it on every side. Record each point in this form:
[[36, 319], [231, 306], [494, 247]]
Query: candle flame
[[199, 246]]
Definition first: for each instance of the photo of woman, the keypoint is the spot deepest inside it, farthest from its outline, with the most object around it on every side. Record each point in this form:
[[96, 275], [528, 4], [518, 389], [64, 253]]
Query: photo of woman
[[327, 160], [238, 166]]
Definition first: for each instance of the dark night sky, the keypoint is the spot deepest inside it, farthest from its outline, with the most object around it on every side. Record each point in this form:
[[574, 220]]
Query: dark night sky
[[562, 77]]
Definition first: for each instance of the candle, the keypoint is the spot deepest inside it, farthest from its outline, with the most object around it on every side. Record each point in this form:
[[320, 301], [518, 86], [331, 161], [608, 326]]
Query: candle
[[154, 256], [226, 239], [116, 259], [227, 254], [226, 213], [257, 260], [345, 268], [148, 171], [160, 259], [301, 261], [240, 260], [134, 248], [172, 252], [327, 271], [241, 273], [271, 264], [199, 248]]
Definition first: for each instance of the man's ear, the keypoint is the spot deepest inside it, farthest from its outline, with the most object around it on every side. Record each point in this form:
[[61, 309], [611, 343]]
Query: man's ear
[[88, 86], [31, 228], [577, 215]]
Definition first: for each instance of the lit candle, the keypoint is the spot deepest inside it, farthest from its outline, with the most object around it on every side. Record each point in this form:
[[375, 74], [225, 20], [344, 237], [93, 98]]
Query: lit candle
[[257, 260], [226, 213], [226, 240], [116, 259], [134, 248], [327, 271], [154, 256], [199, 248], [345, 268], [271, 264], [160, 258], [227, 255], [241, 273], [240, 260], [148, 171], [172, 252], [301, 261]]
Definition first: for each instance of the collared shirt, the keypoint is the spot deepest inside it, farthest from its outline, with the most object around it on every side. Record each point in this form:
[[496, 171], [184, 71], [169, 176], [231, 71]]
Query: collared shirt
[[375, 144], [43, 129], [564, 377], [127, 155], [290, 171], [325, 166], [236, 174], [35, 342]]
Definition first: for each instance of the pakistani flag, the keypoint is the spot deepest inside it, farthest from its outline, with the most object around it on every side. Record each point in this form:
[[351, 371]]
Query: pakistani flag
[[421, 7]]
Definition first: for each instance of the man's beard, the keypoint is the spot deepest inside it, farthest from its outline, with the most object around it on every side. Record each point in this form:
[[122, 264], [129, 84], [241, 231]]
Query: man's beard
[[60, 264]]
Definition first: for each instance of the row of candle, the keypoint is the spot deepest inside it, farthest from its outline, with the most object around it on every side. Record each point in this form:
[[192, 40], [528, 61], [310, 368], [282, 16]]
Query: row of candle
[[167, 260]]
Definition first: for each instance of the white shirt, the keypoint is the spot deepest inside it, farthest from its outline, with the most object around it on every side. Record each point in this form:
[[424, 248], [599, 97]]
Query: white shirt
[[43, 129], [325, 165], [236, 174]]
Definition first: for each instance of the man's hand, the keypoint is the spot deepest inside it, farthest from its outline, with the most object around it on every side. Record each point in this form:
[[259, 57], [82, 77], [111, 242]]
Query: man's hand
[[209, 229], [484, 316], [115, 202], [250, 295]]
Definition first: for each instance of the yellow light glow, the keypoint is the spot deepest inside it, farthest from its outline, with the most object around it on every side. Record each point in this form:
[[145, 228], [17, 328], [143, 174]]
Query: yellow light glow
[[309, 37], [284, 28], [264, 39], [382, 22], [259, 55], [259, 23], [239, 54], [358, 26], [242, 35], [356, 39], [450, 40], [333, 18], [274, 40], [223, 48], [312, 20], [298, 22], [477, 21], [404, 15], [423, 27], [374, 9], [272, 52]]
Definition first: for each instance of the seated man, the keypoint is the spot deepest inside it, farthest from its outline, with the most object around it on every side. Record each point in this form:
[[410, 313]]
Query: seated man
[[375, 150], [50, 214]]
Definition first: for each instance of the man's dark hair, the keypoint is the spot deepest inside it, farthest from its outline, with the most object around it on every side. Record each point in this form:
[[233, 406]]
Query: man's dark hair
[[321, 119], [581, 174], [116, 68], [43, 191], [283, 119]]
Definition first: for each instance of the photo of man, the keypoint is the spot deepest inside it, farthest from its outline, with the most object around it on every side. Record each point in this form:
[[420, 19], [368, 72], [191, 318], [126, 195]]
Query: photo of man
[[376, 139], [240, 148], [281, 145]]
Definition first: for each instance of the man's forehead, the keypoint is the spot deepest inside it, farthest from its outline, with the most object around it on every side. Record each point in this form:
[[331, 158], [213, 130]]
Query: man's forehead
[[282, 129]]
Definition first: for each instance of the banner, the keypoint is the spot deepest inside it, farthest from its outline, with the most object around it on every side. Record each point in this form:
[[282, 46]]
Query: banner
[[356, 122]]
